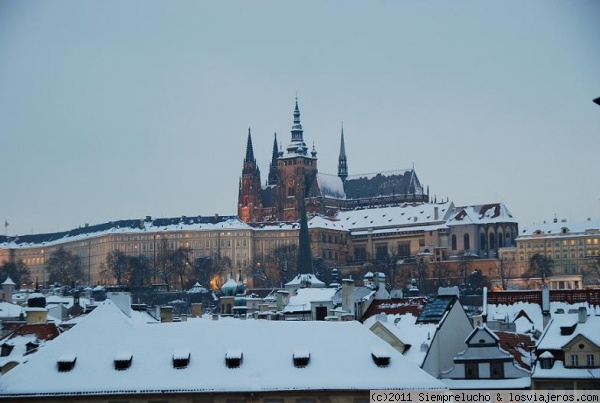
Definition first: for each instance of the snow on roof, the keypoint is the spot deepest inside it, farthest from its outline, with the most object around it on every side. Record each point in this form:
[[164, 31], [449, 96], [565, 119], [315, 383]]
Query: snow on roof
[[533, 311], [555, 338], [558, 371], [488, 384], [8, 281], [326, 223], [406, 215], [10, 310], [266, 362], [302, 300], [405, 328], [133, 226], [331, 186], [481, 214], [304, 278], [556, 228]]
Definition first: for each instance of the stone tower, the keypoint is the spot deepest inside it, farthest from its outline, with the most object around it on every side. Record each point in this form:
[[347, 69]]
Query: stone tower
[[249, 202]]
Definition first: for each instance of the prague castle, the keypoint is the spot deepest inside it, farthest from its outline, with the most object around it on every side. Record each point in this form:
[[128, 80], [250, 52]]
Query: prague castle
[[294, 179], [353, 220]]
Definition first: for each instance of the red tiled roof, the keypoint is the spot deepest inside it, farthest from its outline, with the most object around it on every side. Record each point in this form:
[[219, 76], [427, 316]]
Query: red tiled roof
[[517, 345], [396, 306], [43, 331]]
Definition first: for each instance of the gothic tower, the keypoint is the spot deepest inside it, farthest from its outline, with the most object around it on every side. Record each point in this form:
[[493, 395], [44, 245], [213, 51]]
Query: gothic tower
[[273, 167], [342, 162], [249, 203], [296, 172]]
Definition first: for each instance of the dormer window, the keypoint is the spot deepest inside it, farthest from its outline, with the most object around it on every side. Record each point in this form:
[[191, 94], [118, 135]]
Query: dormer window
[[181, 359], [123, 361], [233, 358], [381, 358], [6, 348], [301, 358], [31, 346], [546, 360], [66, 362]]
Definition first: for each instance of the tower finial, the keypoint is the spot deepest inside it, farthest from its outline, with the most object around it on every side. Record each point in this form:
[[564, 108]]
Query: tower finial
[[249, 149], [342, 160]]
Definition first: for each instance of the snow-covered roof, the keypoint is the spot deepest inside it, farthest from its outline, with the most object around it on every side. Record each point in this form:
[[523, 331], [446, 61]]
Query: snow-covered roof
[[418, 335], [331, 186], [406, 215], [487, 384], [575, 228], [556, 335], [10, 310], [8, 281], [302, 300], [134, 226], [305, 278], [558, 371], [267, 365], [480, 214]]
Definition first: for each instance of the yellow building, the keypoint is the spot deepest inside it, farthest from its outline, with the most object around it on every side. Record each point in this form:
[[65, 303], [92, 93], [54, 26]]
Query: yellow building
[[569, 244]]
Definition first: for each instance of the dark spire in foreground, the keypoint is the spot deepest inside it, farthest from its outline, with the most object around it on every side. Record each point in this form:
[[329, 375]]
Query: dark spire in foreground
[[273, 166], [249, 149], [305, 264], [342, 162]]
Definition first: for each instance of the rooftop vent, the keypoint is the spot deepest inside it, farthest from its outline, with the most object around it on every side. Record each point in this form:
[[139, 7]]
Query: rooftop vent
[[381, 358], [66, 362], [123, 361], [233, 358], [181, 359], [6, 348], [301, 358], [567, 330]]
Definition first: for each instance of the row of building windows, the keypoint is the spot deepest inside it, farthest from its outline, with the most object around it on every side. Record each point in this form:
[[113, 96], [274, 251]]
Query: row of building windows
[[589, 360]]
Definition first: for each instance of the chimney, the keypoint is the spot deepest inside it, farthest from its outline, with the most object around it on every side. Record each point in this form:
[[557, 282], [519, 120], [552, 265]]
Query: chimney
[[545, 305], [348, 295], [36, 316], [282, 299], [197, 310], [582, 312], [484, 310], [379, 282], [166, 314], [436, 213]]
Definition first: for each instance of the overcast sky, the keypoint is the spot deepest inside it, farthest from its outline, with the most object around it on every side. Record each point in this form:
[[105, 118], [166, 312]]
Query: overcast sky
[[115, 110]]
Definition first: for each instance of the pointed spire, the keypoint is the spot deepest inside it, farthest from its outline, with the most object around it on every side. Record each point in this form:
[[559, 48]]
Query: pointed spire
[[249, 149], [297, 127], [273, 167], [342, 161], [305, 265]]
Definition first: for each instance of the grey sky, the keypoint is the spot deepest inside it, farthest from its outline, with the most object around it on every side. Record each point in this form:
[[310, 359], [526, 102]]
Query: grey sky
[[113, 110]]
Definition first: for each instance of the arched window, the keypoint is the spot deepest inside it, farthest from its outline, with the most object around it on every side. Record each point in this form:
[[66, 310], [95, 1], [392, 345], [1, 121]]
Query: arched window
[[453, 242], [467, 242], [492, 240], [508, 239], [500, 240], [482, 242]]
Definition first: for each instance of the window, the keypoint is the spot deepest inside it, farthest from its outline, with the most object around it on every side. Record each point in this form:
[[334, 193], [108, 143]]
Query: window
[[590, 360], [467, 242], [497, 370], [453, 242], [574, 360], [471, 370]]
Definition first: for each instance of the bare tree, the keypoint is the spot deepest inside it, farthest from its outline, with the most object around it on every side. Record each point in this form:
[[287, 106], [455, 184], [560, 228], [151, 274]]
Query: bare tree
[[283, 259], [180, 259], [117, 265], [592, 269], [541, 265], [64, 267], [504, 270]]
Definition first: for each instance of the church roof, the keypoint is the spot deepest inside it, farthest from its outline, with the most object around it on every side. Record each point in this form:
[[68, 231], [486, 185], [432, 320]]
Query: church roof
[[481, 214], [382, 184]]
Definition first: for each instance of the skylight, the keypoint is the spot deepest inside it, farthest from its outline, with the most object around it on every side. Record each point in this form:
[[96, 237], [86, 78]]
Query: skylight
[[381, 358], [301, 358], [233, 358], [66, 362], [181, 358], [123, 361]]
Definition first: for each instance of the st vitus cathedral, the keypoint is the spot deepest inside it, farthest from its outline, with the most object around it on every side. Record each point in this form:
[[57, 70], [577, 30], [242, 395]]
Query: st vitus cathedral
[[294, 179]]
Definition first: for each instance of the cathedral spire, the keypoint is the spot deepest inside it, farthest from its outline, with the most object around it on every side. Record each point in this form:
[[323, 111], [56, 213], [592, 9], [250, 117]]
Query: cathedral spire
[[305, 264], [273, 167], [249, 149], [297, 132], [342, 162]]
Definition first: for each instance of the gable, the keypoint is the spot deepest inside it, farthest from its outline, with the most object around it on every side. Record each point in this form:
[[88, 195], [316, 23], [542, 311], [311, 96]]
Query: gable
[[580, 342]]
